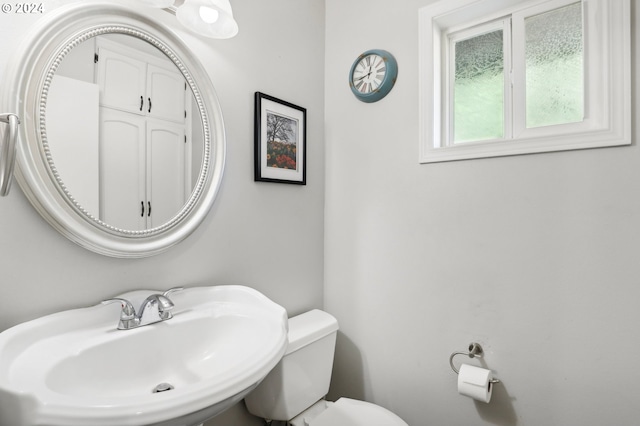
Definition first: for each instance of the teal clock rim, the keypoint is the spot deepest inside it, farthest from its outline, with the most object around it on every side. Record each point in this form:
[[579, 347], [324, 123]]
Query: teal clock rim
[[389, 79]]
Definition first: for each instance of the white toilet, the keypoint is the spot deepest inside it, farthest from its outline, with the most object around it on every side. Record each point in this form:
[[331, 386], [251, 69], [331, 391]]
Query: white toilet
[[294, 390]]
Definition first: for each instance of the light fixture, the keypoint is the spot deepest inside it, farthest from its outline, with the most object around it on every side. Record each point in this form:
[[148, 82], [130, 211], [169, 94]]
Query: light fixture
[[210, 18], [157, 3]]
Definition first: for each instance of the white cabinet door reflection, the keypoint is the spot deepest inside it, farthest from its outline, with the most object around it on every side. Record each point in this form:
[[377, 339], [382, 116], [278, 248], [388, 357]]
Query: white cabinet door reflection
[[122, 173]]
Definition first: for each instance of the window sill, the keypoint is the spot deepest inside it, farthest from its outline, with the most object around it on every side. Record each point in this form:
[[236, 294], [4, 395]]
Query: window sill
[[502, 148]]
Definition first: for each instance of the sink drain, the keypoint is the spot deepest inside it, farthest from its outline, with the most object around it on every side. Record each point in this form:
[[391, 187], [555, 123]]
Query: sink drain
[[163, 387]]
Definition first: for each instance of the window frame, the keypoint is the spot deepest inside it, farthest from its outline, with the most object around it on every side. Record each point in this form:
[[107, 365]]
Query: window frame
[[607, 77]]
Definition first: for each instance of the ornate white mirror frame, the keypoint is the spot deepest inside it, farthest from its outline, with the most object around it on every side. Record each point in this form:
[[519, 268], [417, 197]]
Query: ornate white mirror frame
[[26, 87]]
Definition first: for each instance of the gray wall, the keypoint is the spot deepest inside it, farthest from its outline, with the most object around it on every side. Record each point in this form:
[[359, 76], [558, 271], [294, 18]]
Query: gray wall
[[267, 236], [535, 257]]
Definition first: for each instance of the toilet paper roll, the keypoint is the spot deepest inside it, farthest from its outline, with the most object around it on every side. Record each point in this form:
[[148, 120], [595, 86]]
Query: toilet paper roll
[[475, 382]]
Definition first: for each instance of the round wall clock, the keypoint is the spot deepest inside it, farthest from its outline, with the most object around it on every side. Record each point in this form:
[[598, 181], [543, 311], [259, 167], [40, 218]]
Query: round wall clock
[[373, 75]]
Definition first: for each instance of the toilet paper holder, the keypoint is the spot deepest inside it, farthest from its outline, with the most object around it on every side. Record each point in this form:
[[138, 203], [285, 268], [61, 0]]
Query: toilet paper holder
[[475, 350]]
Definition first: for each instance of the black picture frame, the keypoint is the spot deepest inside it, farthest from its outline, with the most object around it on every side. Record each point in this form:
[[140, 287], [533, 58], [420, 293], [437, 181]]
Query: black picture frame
[[280, 150]]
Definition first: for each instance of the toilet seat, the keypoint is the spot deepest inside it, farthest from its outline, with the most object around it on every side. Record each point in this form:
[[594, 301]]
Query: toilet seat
[[351, 412]]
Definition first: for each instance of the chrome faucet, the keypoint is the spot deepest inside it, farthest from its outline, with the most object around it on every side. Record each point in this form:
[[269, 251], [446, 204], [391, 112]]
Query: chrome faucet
[[155, 308]]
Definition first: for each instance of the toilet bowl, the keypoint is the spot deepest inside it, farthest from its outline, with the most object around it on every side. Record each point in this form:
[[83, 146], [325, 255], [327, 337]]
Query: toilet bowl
[[347, 412], [294, 390]]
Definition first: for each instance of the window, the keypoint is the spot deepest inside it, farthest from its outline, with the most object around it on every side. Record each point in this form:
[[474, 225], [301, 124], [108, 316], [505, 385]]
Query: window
[[477, 93], [507, 77]]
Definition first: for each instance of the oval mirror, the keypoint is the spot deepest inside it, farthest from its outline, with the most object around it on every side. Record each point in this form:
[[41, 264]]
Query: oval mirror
[[121, 144]]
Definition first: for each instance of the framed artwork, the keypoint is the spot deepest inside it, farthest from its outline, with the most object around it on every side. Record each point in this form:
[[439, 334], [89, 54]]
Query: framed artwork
[[280, 141]]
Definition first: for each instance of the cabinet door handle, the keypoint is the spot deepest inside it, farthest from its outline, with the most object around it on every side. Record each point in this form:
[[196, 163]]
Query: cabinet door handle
[[149, 210], [149, 104], [141, 102], [142, 211]]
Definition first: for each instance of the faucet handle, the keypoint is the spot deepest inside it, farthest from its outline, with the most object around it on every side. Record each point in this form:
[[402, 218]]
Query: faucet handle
[[165, 305], [128, 311], [127, 315], [172, 290]]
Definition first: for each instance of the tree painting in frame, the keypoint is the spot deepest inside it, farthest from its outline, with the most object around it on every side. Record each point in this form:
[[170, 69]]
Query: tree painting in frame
[[280, 141]]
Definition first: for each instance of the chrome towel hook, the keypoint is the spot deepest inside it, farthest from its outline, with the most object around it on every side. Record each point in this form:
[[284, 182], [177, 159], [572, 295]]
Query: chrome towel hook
[[8, 152], [475, 350]]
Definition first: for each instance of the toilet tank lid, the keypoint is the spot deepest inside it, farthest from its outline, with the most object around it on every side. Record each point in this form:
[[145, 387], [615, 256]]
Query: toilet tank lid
[[308, 327]]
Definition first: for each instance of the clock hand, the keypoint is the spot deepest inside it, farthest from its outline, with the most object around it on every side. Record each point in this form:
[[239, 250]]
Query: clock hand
[[364, 76]]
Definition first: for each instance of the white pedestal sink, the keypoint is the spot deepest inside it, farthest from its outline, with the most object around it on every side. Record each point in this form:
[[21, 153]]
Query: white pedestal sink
[[74, 368]]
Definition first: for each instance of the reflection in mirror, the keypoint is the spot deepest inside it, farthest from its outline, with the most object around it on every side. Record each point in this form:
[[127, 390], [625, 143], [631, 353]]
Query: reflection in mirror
[[124, 132]]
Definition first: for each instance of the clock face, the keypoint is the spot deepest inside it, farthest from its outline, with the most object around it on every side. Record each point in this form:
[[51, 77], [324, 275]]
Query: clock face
[[373, 75], [369, 73]]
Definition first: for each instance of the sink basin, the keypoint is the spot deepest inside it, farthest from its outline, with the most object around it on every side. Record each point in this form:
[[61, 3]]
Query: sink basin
[[74, 368]]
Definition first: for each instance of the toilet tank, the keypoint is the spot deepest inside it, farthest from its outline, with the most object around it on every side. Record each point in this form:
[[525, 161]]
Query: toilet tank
[[302, 376]]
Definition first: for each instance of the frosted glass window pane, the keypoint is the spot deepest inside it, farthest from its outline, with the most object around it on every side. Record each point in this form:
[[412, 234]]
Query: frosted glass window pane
[[478, 112], [554, 67]]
